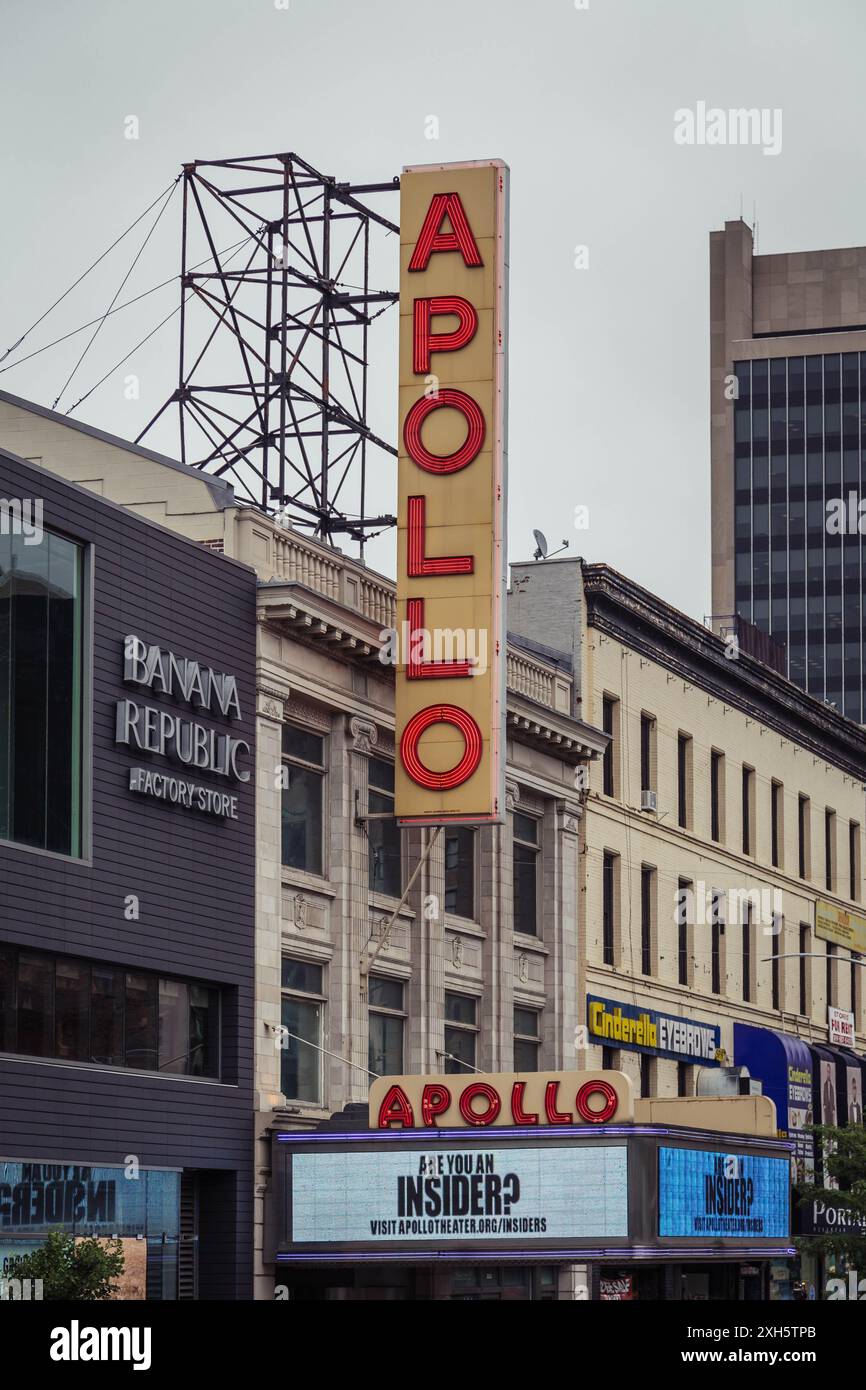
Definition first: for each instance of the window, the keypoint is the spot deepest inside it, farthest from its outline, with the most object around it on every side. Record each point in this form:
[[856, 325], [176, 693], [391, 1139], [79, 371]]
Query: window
[[461, 1032], [647, 752], [855, 989], [383, 836], [302, 1007], [830, 850], [386, 1021], [609, 719], [685, 1085], [684, 780], [107, 994], [804, 867], [831, 993], [716, 943], [747, 954], [748, 802], [142, 1020], [527, 1038], [460, 841], [776, 827], [805, 932], [526, 852], [609, 1058], [684, 897], [79, 1011], [717, 784], [41, 634], [72, 1010], [609, 885], [647, 916], [854, 861], [647, 1074], [778, 946], [303, 776]]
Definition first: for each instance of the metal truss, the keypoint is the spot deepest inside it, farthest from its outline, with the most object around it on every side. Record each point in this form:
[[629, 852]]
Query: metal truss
[[275, 336]]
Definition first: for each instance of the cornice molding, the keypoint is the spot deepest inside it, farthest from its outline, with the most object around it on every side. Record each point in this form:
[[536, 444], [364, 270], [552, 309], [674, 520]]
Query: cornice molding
[[639, 620]]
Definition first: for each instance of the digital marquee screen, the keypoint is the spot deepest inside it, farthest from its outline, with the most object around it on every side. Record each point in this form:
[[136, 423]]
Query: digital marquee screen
[[704, 1193], [495, 1194]]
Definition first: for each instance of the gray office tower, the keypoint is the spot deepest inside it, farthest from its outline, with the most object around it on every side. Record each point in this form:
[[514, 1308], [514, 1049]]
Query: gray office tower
[[788, 402]]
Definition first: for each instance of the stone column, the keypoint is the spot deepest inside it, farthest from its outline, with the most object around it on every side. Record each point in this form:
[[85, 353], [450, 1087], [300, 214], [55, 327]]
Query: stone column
[[562, 881], [362, 740]]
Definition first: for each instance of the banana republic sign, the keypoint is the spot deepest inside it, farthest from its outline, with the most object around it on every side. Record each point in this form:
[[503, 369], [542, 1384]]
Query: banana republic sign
[[185, 741]]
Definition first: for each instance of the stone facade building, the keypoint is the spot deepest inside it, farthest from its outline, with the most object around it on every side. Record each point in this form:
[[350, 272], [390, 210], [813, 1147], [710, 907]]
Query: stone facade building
[[723, 784]]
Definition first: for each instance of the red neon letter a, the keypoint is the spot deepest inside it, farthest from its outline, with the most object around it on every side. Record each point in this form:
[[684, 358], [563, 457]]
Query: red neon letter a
[[431, 237], [396, 1110]]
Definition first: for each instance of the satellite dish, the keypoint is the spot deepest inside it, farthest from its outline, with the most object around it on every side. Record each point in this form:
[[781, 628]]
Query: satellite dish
[[541, 544]]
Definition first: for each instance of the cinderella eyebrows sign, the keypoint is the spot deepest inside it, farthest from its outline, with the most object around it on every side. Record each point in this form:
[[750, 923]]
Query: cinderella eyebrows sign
[[451, 554]]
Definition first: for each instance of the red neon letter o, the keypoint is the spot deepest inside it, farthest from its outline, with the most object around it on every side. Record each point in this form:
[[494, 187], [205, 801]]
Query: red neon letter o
[[608, 1110], [418, 725], [472, 445], [480, 1088]]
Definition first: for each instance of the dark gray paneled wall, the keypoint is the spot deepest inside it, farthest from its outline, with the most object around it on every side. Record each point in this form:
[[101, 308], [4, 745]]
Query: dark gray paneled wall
[[194, 877]]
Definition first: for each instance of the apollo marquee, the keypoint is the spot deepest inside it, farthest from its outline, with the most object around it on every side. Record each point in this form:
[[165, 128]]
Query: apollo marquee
[[452, 487]]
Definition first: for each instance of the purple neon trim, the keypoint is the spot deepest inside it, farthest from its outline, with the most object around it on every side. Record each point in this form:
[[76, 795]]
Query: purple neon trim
[[541, 1132], [623, 1255]]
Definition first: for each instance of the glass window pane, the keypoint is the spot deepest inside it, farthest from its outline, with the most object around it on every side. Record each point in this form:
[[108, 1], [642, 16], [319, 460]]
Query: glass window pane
[[459, 1008], [525, 890], [300, 743], [300, 1059], [106, 1015], [381, 774], [386, 994], [173, 1026], [302, 975], [386, 1045], [72, 1010], [204, 1031], [35, 1005], [526, 1021], [142, 1021], [385, 847], [302, 819], [40, 692], [460, 871], [460, 1047], [7, 1000], [525, 1055], [525, 828]]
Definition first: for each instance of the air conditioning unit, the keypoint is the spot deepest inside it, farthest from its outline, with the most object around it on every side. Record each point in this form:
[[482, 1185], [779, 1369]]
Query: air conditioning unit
[[649, 801]]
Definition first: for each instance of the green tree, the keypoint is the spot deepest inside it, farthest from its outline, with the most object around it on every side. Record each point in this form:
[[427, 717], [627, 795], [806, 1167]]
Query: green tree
[[74, 1269], [845, 1160]]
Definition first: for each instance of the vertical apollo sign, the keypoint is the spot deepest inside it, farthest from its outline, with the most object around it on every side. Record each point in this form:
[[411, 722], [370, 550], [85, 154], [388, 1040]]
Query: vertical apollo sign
[[450, 699]]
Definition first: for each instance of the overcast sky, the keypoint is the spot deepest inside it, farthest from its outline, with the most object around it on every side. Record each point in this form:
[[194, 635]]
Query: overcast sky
[[609, 364]]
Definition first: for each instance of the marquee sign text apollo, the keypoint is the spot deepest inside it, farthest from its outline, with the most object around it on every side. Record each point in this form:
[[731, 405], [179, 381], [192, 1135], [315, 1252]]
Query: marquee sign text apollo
[[451, 475]]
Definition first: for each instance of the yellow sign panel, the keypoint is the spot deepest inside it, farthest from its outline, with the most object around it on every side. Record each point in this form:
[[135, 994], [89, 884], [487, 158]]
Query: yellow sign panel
[[450, 638], [835, 924]]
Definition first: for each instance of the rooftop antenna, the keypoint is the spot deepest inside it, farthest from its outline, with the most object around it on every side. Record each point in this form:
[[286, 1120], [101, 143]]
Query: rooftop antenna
[[541, 550]]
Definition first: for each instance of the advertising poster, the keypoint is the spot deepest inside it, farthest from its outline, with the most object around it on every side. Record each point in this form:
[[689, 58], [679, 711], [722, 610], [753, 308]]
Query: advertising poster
[[707, 1193], [533, 1193], [854, 1082]]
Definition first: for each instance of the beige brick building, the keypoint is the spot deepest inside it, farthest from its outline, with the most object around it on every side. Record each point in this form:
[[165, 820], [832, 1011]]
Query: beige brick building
[[758, 801]]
